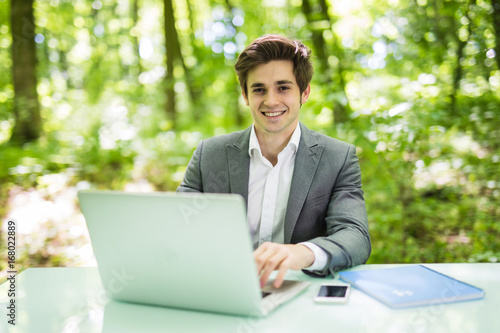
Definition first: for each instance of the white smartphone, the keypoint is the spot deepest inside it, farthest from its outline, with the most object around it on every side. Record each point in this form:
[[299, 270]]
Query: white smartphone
[[329, 293]]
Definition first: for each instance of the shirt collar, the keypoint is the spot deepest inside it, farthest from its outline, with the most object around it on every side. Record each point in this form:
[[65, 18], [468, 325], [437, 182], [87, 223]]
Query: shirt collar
[[293, 143]]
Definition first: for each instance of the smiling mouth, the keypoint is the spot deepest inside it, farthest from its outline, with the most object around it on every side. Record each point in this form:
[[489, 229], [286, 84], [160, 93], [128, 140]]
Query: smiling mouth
[[273, 114]]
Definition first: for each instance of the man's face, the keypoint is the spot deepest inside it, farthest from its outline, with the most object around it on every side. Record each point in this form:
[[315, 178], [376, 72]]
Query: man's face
[[274, 97]]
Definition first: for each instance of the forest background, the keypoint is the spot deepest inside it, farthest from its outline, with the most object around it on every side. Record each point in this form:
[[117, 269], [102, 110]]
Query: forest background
[[116, 94]]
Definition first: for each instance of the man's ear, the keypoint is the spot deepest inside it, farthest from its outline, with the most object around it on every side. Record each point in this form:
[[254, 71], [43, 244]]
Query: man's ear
[[245, 98], [305, 94]]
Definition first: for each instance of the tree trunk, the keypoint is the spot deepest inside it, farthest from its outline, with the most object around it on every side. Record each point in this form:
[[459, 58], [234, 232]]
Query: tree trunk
[[26, 106], [194, 92], [458, 71], [173, 52], [495, 4], [340, 110], [234, 108], [318, 42], [134, 14], [457, 75]]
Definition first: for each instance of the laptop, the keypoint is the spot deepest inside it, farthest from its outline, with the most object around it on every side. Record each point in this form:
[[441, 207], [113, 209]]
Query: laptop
[[182, 250]]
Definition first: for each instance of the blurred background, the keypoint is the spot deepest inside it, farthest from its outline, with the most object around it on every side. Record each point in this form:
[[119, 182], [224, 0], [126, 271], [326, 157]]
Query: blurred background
[[112, 94]]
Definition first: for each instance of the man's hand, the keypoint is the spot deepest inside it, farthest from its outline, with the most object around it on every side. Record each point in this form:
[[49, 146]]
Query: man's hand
[[281, 257]]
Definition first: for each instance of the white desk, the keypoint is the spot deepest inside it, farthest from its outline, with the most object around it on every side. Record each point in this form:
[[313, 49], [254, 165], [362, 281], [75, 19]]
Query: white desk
[[72, 300]]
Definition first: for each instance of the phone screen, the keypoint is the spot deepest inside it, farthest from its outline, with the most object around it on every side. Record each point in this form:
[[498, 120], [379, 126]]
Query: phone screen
[[332, 291]]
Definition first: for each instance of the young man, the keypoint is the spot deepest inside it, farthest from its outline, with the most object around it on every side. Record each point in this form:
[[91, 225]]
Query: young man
[[305, 206]]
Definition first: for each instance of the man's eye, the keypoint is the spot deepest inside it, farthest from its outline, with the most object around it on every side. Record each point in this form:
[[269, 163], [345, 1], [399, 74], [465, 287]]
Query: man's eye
[[258, 90], [283, 88]]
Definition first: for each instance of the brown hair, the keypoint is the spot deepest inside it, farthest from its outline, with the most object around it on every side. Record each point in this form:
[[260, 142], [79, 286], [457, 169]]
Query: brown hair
[[275, 47]]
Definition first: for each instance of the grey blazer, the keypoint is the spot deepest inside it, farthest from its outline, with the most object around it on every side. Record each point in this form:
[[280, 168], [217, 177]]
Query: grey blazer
[[325, 206]]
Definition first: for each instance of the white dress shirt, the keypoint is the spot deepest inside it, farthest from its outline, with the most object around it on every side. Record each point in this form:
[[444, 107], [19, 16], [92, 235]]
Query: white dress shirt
[[268, 192]]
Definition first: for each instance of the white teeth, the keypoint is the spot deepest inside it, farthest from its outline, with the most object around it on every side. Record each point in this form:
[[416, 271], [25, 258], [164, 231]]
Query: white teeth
[[272, 114]]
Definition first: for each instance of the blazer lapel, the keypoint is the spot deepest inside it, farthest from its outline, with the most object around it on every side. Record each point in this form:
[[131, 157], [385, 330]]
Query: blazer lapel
[[306, 163], [239, 163]]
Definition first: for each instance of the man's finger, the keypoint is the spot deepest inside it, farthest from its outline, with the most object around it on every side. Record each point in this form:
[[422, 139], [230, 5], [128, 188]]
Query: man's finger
[[281, 274], [272, 263], [261, 256]]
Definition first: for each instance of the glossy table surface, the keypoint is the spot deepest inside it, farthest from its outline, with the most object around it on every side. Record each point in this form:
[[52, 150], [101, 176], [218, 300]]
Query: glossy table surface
[[73, 300]]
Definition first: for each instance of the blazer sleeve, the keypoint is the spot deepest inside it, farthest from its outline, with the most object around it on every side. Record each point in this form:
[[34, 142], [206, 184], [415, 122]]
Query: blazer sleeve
[[192, 181], [347, 239]]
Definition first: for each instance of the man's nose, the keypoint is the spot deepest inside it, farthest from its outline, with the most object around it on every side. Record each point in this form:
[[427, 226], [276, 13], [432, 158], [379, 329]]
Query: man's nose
[[272, 98]]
